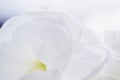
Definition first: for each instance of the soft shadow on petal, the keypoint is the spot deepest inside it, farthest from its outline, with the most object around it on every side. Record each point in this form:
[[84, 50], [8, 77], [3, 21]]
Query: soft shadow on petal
[[39, 75]]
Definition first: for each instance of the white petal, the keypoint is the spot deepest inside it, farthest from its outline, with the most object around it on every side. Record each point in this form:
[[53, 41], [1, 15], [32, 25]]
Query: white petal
[[38, 75], [10, 26], [14, 61], [112, 39], [54, 31], [88, 57], [68, 23], [73, 24], [49, 40], [84, 62]]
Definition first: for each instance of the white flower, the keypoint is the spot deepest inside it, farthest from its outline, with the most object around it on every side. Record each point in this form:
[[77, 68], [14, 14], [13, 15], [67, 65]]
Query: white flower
[[48, 44]]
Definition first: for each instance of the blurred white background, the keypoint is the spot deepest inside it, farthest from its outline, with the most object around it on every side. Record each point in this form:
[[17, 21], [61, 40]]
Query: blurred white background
[[97, 14]]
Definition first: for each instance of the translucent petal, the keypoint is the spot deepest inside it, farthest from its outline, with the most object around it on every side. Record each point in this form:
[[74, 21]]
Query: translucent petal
[[38, 75], [48, 40], [15, 61], [73, 24], [112, 39], [10, 26], [88, 57], [84, 63], [67, 23]]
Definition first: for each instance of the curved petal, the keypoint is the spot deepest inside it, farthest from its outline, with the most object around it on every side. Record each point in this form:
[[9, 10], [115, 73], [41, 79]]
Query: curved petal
[[112, 39], [68, 23], [10, 26], [15, 61], [73, 24], [38, 75], [88, 57], [84, 63], [50, 41], [49, 38]]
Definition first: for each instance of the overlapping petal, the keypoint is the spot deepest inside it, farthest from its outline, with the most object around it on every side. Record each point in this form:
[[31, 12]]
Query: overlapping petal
[[89, 56], [52, 45], [52, 37]]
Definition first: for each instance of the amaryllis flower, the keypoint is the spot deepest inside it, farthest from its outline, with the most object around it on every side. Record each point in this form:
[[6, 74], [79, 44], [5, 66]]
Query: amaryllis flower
[[48, 45]]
